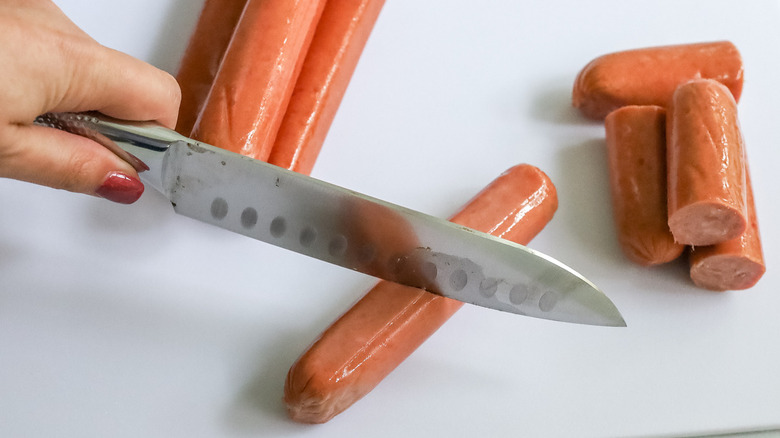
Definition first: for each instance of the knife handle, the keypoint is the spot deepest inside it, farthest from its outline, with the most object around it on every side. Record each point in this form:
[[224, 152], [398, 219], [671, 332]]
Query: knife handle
[[141, 144]]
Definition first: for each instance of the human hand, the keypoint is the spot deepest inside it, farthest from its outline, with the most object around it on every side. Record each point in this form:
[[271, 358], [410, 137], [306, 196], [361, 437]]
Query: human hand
[[50, 65]]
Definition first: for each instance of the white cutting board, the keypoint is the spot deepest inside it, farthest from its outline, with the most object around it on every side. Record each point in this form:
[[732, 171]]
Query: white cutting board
[[129, 321]]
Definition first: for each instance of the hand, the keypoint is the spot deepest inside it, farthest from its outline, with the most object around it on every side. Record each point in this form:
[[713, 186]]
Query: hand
[[50, 65]]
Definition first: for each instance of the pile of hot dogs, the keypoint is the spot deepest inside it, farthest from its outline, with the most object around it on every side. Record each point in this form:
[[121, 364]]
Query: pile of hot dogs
[[678, 167], [265, 77]]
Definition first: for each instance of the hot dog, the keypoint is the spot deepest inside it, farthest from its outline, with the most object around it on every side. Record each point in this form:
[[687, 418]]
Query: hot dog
[[201, 59], [706, 165], [373, 337], [257, 74], [332, 57], [636, 155], [650, 75], [734, 264]]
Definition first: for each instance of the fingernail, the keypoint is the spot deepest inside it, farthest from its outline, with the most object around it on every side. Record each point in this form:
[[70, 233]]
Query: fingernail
[[120, 188]]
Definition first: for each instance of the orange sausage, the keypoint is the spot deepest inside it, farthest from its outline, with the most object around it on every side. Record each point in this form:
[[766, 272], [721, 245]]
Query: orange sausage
[[252, 88], [650, 75], [341, 34], [706, 165], [201, 59], [373, 337], [734, 264], [636, 152]]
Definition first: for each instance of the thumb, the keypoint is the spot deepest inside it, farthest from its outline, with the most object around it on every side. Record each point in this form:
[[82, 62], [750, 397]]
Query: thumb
[[61, 160]]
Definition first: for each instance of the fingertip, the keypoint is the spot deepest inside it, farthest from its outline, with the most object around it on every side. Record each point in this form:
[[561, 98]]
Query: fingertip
[[121, 188], [173, 91]]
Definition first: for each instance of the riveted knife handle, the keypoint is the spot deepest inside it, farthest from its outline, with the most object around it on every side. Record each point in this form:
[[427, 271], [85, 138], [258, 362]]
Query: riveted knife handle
[[141, 144]]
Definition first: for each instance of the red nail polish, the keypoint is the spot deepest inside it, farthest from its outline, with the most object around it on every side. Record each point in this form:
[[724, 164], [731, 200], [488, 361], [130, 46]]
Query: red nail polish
[[120, 188]]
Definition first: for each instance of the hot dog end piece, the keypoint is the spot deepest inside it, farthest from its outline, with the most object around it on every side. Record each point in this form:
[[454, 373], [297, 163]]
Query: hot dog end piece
[[636, 157], [649, 76], [706, 165], [735, 264]]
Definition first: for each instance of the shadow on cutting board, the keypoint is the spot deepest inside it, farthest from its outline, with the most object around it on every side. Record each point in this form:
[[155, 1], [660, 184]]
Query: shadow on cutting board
[[552, 103], [584, 198]]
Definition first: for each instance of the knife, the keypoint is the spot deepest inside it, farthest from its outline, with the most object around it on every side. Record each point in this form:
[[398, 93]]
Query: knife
[[343, 227]]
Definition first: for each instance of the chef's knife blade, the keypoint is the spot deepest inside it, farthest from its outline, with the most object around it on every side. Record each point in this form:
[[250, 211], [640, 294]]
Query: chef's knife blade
[[346, 228]]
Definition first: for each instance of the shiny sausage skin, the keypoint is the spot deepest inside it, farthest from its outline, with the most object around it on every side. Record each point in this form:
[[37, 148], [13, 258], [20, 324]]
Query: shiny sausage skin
[[706, 165], [636, 156], [734, 264], [201, 59], [252, 88], [341, 34], [374, 336], [649, 76]]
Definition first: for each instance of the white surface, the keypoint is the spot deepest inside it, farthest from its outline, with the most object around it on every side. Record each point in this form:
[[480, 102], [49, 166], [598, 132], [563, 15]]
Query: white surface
[[128, 321]]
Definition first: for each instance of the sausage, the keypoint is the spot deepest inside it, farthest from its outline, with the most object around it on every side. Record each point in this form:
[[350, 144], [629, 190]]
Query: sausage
[[201, 59], [252, 88], [341, 34], [734, 264], [384, 327], [636, 156], [650, 75], [706, 165]]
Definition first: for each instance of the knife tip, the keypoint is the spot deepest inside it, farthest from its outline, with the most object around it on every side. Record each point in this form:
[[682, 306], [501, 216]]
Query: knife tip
[[619, 321], [612, 316], [595, 307]]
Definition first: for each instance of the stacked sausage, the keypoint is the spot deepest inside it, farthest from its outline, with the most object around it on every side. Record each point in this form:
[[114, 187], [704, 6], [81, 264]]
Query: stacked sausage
[[678, 168]]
